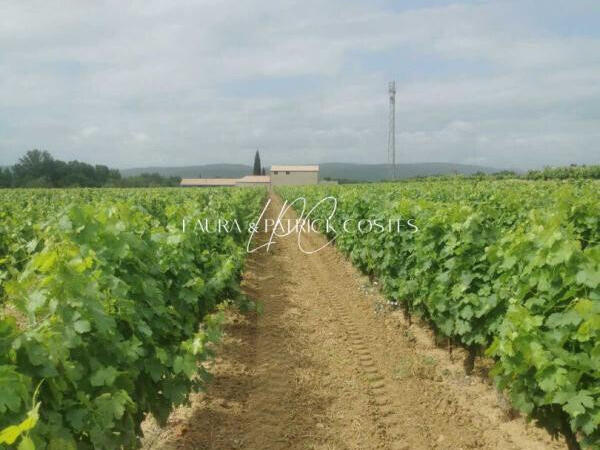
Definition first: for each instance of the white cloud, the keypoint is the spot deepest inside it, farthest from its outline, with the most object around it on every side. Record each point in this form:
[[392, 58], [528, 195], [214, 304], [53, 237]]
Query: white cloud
[[138, 136], [490, 82]]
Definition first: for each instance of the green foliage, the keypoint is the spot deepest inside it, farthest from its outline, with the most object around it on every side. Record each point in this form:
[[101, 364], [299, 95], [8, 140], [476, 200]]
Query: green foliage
[[10, 434], [509, 266], [257, 168], [38, 169], [112, 304], [564, 173], [146, 180]]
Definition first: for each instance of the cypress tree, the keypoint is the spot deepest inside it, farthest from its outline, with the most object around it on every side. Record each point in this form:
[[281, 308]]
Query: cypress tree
[[257, 169]]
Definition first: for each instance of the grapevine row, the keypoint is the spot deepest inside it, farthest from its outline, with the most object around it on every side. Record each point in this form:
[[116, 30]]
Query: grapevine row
[[113, 308], [512, 268]]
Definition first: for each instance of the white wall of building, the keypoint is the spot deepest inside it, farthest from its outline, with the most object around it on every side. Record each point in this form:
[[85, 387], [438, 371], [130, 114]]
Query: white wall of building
[[289, 177]]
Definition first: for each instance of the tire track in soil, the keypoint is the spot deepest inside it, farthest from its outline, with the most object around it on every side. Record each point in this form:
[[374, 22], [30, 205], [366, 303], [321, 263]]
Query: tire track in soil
[[321, 369]]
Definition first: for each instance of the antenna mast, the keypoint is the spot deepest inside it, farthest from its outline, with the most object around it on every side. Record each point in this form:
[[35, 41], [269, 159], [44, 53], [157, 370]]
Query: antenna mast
[[392, 131]]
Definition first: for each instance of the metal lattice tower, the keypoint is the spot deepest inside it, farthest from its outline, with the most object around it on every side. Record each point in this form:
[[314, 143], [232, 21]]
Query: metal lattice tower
[[392, 131]]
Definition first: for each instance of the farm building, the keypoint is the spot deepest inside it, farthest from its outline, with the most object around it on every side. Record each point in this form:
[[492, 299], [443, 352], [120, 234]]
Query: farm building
[[294, 175], [207, 182], [247, 181], [254, 180], [280, 175]]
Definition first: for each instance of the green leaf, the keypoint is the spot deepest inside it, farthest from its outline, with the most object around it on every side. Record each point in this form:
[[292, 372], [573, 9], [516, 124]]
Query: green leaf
[[589, 276], [111, 406], [563, 319], [36, 300], [13, 389], [82, 326], [577, 404], [560, 255], [10, 434], [26, 444], [104, 376], [552, 378], [61, 443]]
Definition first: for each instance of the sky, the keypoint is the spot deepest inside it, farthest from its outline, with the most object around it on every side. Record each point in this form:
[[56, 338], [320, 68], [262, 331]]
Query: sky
[[506, 84]]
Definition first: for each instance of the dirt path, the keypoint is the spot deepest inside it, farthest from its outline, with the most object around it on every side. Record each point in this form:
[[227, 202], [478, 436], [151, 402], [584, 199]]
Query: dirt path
[[328, 365]]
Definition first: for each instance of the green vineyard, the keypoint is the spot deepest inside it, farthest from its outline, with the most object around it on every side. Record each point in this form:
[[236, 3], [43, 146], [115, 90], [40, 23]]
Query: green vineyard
[[107, 308], [109, 305], [509, 268]]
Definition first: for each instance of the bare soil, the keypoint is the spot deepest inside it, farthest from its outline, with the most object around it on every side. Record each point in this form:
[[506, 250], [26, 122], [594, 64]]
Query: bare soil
[[329, 365]]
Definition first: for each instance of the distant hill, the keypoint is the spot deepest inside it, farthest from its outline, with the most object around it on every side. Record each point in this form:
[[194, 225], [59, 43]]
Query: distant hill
[[206, 171], [347, 171], [377, 172]]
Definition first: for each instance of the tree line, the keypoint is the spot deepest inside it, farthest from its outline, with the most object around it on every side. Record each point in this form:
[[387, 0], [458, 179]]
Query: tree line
[[39, 169], [563, 173]]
